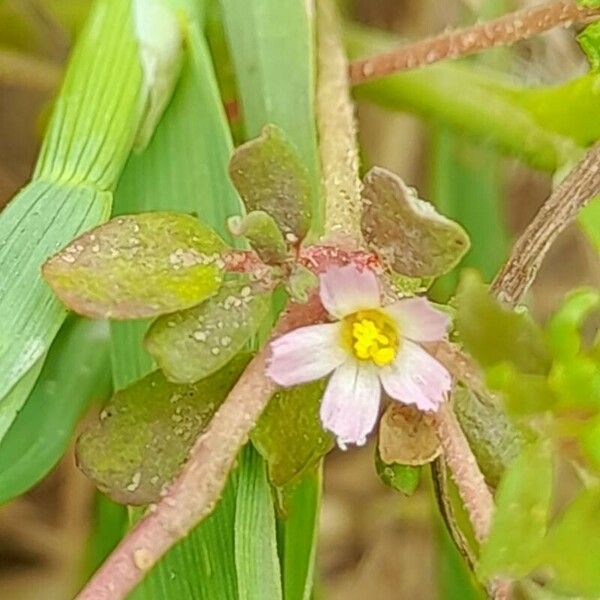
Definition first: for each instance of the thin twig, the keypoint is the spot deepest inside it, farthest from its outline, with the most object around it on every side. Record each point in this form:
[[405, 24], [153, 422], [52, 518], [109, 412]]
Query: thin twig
[[559, 210], [506, 30]]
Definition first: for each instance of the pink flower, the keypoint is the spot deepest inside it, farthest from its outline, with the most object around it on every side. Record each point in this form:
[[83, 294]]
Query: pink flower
[[367, 347]]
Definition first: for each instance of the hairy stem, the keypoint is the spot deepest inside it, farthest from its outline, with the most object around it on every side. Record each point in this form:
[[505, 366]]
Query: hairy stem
[[503, 31], [558, 211], [337, 133], [465, 471]]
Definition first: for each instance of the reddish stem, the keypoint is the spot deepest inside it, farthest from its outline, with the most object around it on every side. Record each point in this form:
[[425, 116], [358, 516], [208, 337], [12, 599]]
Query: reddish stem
[[503, 31]]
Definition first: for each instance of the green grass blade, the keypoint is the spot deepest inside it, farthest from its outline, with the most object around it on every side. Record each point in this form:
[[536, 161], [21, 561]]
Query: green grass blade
[[44, 428], [110, 522], [298, 536], [274, 68], [94, 123], [255, 534], [275, 76], [39, 221], [185, 169], [466, 185]]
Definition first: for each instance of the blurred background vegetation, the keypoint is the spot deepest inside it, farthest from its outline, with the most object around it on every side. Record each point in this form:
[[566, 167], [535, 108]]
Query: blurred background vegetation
[[373, 541]]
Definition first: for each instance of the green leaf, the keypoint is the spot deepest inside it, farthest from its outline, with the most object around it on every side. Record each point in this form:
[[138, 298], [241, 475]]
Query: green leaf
[[522, 393], [589, 441], [407, 437], [185, 168], [194, 343], [589, 40], [255, 534], [201, 566], [138, 266], [270, 177], [157, 30], [109, 526], [264, 235], [589, 3], [493, 334], [564, 327], [406, 232], [43, 430], [85, 147], [513, 545], [572, 548], [466, 182], [298, 531], [493, 437], [14, 400], [403, 478], [146, 431], [589, 219], [276, 77], [300, 283], [576, 383], [289, 434], [34, 225], [276, 83]]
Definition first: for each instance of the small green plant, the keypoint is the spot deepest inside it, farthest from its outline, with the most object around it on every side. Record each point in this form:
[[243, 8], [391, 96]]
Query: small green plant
[[266, 304]]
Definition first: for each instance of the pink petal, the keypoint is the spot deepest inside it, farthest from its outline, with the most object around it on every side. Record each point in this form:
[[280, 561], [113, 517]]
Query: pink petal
[[351, 402], [418, 320], [345, 290], [306, 354], [417, 378]]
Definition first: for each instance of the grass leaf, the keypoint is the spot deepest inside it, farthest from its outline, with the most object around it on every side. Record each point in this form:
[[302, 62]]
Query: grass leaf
[[94, 123], [255, 535], [44, 428]]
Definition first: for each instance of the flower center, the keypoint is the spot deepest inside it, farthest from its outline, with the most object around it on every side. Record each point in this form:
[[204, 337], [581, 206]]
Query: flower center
[[371, 335]]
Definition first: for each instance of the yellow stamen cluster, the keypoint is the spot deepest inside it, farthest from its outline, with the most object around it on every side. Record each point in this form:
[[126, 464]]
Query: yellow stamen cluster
[[372, 336]]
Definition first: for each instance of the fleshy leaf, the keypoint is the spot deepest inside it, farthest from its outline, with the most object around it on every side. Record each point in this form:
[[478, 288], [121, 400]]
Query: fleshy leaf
[[494, 439], [265, 237], [194, 343], [300, 283], [138, 266], [289, 434], [406, 232], [493, 334], [402, 478], [576, 383], [589, 441], [269, 176], [589, 38], [522, 393], [146, 430], [519, 525], [406, 437], [564, 327], [572, 547]]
